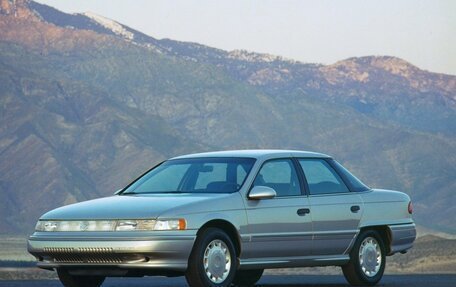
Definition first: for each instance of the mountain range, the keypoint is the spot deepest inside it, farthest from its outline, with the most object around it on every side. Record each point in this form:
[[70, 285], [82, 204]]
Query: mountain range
[[87, 104]]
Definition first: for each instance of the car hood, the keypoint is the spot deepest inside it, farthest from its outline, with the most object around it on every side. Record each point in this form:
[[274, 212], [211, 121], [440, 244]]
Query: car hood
[[127, 206]]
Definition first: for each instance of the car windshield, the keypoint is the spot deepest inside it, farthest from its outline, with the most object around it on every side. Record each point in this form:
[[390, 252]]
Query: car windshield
[[194, 175]]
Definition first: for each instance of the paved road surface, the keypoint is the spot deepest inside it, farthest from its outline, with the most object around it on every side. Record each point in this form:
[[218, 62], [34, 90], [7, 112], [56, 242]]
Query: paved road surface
[[270, 281]]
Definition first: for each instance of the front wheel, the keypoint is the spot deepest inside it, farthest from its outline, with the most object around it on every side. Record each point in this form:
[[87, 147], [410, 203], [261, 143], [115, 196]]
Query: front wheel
[[212, 262], [367, 260], [69, 280]]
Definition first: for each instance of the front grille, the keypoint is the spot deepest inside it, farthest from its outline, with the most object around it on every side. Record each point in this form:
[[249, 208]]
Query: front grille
[[83, 255], [59, 250], [98, 250], [86, 258]]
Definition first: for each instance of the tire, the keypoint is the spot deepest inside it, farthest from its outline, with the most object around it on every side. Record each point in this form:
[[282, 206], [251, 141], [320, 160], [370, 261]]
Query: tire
[[367, 260], [247, 277], [69, 280], [212, 247]]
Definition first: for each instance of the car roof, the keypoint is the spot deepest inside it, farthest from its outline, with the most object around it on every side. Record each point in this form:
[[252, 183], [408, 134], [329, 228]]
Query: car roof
[[256, 153]]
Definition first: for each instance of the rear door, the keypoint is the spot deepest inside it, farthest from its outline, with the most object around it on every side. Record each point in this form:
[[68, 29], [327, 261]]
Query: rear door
[[280, 227], [336, 211]]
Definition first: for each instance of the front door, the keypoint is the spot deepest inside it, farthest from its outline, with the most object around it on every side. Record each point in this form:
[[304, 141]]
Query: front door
[[280, 227]]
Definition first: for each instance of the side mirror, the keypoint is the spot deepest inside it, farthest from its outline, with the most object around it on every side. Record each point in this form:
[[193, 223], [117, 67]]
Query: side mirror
[[262, 192], [118, 191]]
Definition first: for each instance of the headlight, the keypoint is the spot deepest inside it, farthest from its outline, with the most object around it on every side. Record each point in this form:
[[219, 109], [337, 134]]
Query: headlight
[[135, 225], [111, 225], [171, 224], [76, 225]]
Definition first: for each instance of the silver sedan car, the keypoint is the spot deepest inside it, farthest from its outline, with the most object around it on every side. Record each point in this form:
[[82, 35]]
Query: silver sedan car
[[221, 218]]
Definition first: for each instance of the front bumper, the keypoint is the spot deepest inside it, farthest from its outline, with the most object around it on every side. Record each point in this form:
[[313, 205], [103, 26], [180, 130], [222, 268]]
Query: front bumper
[[119, 250]]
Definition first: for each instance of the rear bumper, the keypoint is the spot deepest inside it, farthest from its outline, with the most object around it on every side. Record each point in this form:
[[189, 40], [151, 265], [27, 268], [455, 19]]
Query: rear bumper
[[402, 237], [165, 252]]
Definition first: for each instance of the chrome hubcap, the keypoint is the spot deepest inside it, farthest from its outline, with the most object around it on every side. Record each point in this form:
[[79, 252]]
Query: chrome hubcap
[[217, 261], [370, 256]]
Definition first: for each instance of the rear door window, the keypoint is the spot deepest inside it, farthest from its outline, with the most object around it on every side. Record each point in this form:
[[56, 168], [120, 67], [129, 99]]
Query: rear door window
[[321, 177]]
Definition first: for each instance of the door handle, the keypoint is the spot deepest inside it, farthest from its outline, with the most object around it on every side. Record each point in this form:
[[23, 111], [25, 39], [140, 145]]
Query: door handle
[[303, 211], [355, 208]]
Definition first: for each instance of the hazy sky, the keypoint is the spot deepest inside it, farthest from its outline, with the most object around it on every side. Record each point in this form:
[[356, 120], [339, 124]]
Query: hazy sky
[[318, 31]]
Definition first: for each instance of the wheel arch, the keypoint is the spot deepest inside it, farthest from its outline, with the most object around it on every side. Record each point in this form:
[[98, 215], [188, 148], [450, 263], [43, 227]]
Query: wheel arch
[[385, 234], [226, 226]]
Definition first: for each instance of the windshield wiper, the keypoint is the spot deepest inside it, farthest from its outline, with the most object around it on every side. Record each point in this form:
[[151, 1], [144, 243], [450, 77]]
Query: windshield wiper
[[152, 192]]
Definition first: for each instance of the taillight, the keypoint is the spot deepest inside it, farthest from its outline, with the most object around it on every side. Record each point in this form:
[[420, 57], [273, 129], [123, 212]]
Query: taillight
[[410, 207]]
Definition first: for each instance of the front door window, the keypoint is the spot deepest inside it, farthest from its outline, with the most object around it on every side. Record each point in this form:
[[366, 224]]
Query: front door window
[[280, 175]]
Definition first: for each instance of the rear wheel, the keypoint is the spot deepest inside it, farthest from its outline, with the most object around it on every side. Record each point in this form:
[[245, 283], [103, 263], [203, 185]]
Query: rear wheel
[[367, 260], [69, 280], [247, 277], [212, 262]]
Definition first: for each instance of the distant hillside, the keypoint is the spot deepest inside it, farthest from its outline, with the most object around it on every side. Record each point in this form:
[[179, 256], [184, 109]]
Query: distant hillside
[[87, 104]]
